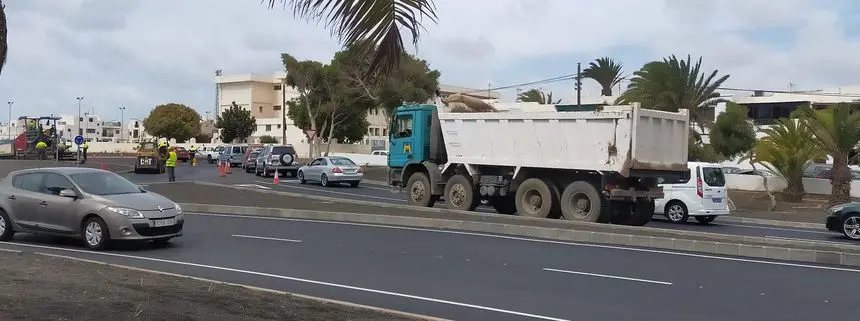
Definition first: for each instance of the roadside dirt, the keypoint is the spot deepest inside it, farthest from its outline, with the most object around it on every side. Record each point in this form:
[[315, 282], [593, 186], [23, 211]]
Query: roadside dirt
[[37, 287]]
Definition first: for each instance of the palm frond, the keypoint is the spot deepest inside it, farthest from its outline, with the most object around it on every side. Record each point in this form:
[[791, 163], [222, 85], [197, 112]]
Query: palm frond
[[374, 23], [606, 72], [3, 40]]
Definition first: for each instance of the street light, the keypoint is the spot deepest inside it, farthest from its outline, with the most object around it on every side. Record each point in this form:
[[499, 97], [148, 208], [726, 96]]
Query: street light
[[10, 121], [86, 126], [121, 123]]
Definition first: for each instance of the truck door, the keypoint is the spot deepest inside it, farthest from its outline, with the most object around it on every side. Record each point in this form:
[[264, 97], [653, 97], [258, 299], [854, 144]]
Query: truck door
[[402, 140]]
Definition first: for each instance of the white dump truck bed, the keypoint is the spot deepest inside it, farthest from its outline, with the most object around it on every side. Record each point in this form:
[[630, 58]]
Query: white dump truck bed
[[616, 138]]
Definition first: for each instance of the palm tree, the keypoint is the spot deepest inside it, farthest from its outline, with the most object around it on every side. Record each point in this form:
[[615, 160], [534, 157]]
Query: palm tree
[[3, 32], [379, 21], [787, 150], [836, 131], [673, 84], [537, 96], [605, 72]]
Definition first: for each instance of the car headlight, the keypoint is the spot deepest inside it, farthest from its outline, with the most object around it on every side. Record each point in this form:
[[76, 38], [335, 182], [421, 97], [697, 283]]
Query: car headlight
[[178, 208], [127, 212]]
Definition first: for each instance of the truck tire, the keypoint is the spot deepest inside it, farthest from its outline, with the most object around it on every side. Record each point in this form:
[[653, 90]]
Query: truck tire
[[641, 213], [460, 194], [581, 202], [535, 198], [504, 204], [420, 193]]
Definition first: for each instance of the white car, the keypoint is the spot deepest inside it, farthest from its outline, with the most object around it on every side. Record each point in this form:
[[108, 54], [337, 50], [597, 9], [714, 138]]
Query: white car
[[703, 196]]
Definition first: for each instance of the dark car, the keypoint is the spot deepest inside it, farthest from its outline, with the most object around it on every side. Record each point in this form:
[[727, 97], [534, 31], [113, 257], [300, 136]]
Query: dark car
[[251, 162], [182, 154], [845, 219]]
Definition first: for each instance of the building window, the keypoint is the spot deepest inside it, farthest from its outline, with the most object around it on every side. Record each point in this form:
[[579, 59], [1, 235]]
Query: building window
[[276, 107], [80, 131], [117, 131], [276, 87], [91, 130], [384, 132], [268, 128], [136, 125], [279, 126], [261, 108], [80, 119], [91, 119]]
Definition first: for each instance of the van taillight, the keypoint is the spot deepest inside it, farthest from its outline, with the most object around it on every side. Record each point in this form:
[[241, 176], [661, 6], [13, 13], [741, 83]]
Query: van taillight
[[699, 185]]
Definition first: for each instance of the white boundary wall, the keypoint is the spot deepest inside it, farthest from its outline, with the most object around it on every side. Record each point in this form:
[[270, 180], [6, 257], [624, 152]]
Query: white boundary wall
[[777, 184]]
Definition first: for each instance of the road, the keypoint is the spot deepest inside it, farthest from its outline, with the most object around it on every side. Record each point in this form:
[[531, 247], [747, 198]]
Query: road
[[383, 194], [469, 276]]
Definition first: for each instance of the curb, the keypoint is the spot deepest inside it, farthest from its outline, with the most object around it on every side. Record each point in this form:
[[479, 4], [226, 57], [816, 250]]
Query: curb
[[746, 220], [775, 249], [249, 287]]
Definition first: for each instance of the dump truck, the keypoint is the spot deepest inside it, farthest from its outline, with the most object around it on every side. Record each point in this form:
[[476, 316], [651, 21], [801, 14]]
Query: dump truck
[[602, 165]]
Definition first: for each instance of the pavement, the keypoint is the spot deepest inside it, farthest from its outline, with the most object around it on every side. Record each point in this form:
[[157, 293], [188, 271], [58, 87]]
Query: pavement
[[378, 193], [482, 277]]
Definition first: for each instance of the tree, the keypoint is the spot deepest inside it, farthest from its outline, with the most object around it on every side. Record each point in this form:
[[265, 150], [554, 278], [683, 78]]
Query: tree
[[173, 120], [537, 96], [266, 139], [236, 123], [203, 138], [733, 135], [605, 72], [787, 150], [369, 23], [836, 130], [307, 78]]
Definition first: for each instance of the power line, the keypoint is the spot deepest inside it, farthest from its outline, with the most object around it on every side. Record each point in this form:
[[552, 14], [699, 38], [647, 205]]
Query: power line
[[852, 95], [532, 83]]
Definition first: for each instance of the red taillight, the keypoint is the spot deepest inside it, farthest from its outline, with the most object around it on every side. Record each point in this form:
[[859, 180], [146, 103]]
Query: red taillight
[[336, 170], [699, 187]]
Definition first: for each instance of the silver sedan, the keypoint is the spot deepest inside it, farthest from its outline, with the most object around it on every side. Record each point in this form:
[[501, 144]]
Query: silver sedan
[[95, 205], [332, 169]]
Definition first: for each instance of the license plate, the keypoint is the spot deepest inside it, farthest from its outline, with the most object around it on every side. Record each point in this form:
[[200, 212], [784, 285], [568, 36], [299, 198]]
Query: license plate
[[718, 200], [146, 161], [164, 222]]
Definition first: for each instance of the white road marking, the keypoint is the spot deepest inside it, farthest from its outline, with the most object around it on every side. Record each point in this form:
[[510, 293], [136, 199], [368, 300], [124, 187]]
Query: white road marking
[[805, 240], [777, 228], [296, 279], [336, 192], [608, 276], [265, 238], [525, 239], [253, 186]]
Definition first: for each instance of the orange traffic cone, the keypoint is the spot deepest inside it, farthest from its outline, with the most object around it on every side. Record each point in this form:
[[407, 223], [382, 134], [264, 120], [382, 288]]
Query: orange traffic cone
[[102, 166], [221, 169], [277, 180], [229, 167]]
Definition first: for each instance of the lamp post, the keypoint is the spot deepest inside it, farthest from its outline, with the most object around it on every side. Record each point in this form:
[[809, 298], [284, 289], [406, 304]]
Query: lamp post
[[10, 121], [86, 125], [121, 123]]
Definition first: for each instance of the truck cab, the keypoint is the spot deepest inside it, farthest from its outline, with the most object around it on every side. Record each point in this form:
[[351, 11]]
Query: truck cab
[[409, 133]]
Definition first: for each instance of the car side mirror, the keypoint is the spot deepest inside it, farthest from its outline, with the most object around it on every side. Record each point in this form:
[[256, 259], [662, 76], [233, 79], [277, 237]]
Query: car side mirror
[[142, 190], [68, 193]]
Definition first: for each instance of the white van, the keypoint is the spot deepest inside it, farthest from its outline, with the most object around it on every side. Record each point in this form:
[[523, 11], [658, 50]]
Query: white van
[[702, 196]]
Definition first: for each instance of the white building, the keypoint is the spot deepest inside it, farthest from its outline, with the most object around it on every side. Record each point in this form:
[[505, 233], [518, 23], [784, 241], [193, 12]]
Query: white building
[[135, 132]]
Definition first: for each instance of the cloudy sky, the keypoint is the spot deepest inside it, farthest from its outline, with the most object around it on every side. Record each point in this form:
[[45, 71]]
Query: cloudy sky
[[140, 53]]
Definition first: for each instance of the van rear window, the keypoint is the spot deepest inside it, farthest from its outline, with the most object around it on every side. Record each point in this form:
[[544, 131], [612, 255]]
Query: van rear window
[[713, 176]]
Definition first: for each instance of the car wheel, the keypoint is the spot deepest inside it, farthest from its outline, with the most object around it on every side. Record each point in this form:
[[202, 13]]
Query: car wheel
[[705, 220], [850, 226], [96, 234], [6, 232], [324, 180], [354, 184], [676, 212], [301, 176]]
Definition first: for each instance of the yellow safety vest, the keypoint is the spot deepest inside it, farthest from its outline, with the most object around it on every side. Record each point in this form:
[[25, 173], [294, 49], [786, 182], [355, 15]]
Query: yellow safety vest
[[41, 145], [171, 159], [85, 146]]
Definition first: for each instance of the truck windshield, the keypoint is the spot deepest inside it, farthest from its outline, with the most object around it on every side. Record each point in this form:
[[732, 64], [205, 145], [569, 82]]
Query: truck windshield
[[713, 176], [146, 147]]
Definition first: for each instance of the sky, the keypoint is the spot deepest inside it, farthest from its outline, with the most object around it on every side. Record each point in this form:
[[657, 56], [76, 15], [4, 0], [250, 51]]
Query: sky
[[141, 53]]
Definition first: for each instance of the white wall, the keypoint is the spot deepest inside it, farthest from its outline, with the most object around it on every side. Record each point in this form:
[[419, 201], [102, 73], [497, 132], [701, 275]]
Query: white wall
[[777, 184], [365, 159]]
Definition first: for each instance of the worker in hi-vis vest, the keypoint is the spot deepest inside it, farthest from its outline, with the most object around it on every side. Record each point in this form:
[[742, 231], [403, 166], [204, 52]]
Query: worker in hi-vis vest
[[41, 149], [171, 164]]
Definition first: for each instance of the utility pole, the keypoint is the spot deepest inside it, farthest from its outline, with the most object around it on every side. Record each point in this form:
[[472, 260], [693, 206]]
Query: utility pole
[[578, 85], [284, 111], [488, 90], [10, 122], [122, 123], [80, 132], [217, 92]]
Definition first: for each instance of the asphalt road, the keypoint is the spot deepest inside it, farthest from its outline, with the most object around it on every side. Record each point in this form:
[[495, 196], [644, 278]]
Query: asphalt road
[[466, 276], [383, 194]]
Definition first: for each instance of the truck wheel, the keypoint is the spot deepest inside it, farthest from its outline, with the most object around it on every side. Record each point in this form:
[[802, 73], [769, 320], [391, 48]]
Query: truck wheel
[[504, 204], [460, 194], [420, 192], [641, 213], [534, 198], [580, 201]]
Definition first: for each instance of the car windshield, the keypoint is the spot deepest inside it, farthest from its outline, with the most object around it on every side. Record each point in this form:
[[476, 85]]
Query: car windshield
[[714, 176], [254, 155], [103, 183], [341, 161]]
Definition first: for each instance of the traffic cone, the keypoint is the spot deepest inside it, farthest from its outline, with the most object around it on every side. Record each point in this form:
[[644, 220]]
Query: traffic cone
[[229, 167], [221, 169], [277, 180], [102, 166]]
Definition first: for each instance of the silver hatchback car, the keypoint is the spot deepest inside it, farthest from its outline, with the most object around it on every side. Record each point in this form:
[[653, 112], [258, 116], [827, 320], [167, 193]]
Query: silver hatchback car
[[95, 205], [333, 169]]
